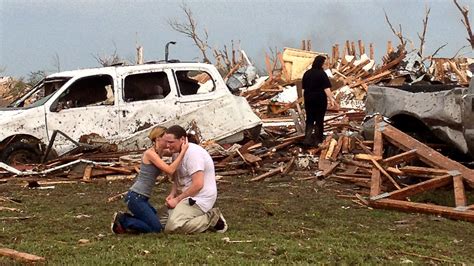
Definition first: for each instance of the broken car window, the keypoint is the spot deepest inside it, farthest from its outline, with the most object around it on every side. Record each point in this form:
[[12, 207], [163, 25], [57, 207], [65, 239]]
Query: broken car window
[[88, 91], [146, 86], [40, 93], [192, 82]]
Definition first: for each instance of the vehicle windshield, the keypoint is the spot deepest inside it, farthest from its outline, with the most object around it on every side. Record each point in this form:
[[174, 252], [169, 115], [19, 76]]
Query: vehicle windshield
[[40, 93]]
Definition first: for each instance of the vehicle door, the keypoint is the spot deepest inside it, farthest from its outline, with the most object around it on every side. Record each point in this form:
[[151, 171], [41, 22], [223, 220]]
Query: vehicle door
[[87, 105], [196, 88], [468, 116], [148, 98]]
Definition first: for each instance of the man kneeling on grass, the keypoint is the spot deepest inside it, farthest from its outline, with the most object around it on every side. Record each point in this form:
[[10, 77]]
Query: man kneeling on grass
[[194, 191]]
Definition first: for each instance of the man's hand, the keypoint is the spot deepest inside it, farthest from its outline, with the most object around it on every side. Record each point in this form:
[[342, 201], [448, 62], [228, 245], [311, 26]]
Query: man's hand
[[172, 202]]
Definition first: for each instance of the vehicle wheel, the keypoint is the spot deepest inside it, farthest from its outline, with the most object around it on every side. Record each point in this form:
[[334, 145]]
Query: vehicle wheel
[[21, 153]]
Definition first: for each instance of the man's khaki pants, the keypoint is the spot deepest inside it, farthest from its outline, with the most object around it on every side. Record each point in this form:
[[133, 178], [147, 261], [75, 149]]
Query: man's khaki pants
[[187, 219]]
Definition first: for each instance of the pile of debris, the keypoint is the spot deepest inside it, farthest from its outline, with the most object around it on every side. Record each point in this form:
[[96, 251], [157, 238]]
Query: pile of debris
[[343, 156]]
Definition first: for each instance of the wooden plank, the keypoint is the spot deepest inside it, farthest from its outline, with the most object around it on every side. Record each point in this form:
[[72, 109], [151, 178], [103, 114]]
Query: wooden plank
[[425, 153], [406, 206], [399, 158], [117, 197], [87, 173], [380, 168], [330, 150], [376, 180], [421, 187], [268, 174], [289, 165], [250, 158], [459, 192], [269, 66], [233, 172], [20, 256], [418, 170], [323, 163], [121, 170], [331, 168], [367, 157], [338, 148], [296, 120]]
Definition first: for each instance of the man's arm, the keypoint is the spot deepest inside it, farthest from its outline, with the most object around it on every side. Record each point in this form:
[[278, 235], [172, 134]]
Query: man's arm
[[196, 186], [174, 188]]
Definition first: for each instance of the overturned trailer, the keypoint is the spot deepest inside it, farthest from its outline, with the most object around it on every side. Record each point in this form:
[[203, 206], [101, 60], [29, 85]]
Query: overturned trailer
[[120, 104]]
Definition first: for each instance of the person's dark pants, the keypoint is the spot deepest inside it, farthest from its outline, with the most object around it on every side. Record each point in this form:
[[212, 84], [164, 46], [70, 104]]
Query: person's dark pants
[[144, 219], [315, 110]]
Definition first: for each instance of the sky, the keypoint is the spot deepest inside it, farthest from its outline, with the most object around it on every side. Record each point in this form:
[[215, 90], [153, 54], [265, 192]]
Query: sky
[[53, 35]]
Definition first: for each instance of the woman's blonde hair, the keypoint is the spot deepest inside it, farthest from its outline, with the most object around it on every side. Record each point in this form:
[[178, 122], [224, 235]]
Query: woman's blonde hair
[[156, 132]]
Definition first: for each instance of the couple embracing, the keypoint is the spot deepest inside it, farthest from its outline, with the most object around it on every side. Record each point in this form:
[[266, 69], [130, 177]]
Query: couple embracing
[[189, 207]]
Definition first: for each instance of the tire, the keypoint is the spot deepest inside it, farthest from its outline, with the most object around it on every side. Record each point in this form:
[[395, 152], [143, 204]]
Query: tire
[[21, 153]]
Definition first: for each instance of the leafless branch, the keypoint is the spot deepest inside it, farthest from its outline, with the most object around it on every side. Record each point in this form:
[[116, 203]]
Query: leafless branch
[[435, 52], [189, 29], [465, 21], [460, 49], [108, 60], [423, 35], [399, 34]]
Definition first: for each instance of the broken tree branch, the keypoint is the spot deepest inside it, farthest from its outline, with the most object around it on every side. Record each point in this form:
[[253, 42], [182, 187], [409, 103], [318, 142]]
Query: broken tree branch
[[465, 12], [189, 29], [398, 34], [423, 35]]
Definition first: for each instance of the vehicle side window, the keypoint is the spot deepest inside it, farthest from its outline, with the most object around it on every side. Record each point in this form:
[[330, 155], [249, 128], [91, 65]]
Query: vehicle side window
[[146, 86], [192, 82], [88, 91]]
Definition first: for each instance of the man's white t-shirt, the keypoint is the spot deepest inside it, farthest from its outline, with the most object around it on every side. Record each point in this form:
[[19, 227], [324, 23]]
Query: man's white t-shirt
[[198, 159]]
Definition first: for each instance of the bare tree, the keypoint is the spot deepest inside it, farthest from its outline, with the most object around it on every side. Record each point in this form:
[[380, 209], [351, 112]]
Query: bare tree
[[189, 29], [399, 33], [423, 35], [465, 12], [109, 60]]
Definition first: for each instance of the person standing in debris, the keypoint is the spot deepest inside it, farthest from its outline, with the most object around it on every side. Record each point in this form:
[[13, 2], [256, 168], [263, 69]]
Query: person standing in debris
[[317, 95], [194, 190], [144, 217]]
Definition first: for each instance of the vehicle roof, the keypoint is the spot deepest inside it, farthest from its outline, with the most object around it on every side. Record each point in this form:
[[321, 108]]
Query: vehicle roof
[[122, 68]]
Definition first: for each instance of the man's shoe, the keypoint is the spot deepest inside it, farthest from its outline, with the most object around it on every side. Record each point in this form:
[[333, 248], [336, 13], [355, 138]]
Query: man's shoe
[[115, 226], [221, 225]]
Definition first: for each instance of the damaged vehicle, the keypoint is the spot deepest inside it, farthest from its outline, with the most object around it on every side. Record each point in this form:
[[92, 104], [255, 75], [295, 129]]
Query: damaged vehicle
[[442, 115], [120, 104]]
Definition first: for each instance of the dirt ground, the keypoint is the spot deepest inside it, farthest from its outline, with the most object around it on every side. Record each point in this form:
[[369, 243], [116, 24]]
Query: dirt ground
[[279, 220]]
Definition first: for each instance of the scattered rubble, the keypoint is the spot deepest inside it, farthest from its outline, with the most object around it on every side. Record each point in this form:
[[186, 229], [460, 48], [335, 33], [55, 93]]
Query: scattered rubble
[[386, 180]]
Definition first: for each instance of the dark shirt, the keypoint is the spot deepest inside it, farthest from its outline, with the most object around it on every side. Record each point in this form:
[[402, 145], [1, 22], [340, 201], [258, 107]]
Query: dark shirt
[[314, 82]]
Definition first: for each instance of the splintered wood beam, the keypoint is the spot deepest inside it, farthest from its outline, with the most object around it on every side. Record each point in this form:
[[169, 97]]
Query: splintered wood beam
[[338, 148], [376, 180], [367, 157], [20, 256], [448, 212], [399, 158], [323, 163], [418, 170], [425, 153], [268, 174], [420, 187], [385, 173], [459, 192]]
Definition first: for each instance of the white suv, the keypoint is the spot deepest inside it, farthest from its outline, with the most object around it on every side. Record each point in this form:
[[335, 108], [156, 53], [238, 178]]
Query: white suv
[[121, 104]]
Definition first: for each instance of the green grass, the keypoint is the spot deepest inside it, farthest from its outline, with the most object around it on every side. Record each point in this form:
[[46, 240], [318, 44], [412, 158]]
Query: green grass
[[286, 222]]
